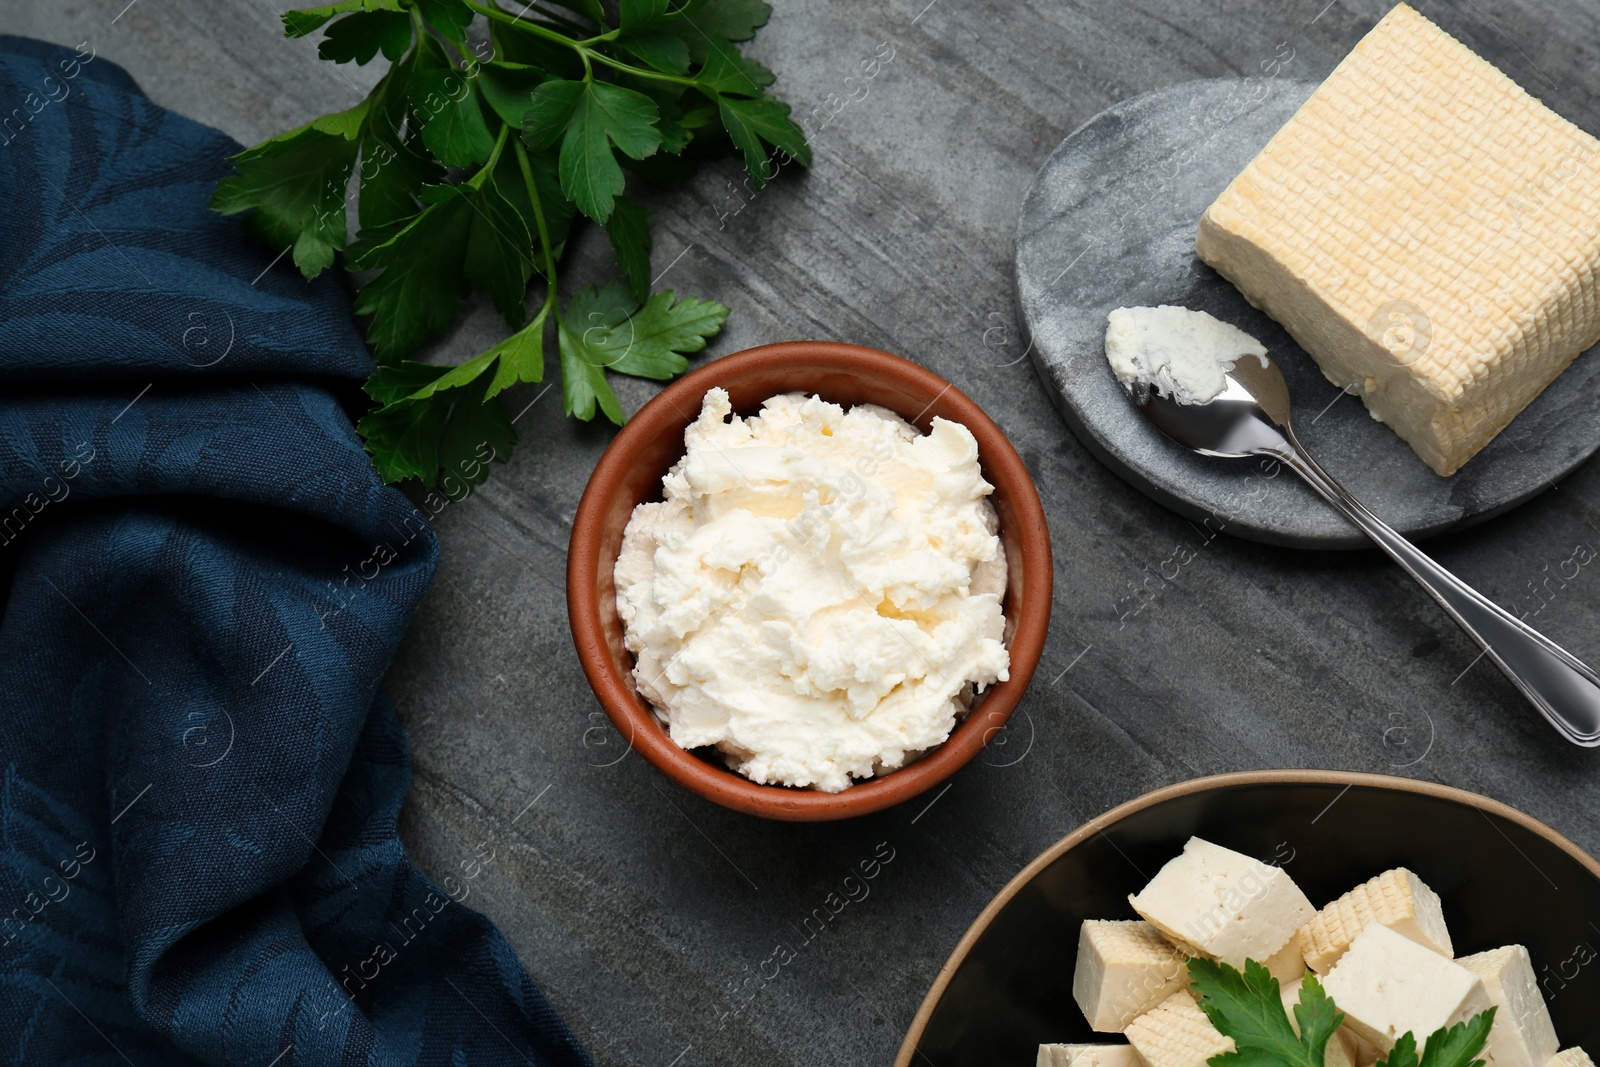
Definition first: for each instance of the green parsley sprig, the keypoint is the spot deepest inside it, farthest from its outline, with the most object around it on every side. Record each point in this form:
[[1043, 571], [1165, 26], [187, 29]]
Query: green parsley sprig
[[1248, 1007], [471, 164]]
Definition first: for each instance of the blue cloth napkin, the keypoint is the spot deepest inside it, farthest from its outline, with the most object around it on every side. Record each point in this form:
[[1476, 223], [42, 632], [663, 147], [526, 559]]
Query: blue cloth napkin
[[203, 582]]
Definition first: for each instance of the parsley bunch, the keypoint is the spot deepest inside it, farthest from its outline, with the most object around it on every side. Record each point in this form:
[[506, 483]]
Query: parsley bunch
[[472, 163], [1248, 1008]]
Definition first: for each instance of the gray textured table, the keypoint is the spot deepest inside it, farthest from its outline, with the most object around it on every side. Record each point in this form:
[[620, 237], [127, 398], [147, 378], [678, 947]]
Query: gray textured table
[[647, 914]]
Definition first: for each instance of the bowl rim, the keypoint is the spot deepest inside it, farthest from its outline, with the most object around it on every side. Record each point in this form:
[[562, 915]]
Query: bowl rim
[[1001, 466], [1395, 783]]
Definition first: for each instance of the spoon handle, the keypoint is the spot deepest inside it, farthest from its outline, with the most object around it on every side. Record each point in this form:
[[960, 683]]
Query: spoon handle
[[1566, 692]]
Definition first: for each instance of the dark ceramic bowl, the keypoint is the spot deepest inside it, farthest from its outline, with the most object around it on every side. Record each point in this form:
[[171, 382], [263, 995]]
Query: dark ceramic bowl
[[1505, 878], [652, 441]]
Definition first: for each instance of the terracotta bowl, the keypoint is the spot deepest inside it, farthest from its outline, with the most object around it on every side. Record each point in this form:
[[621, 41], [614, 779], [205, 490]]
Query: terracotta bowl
[[1505, 878], [630, 472]]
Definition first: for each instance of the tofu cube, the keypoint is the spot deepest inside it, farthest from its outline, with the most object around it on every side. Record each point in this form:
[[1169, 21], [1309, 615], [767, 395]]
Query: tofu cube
[[1223, 904], [1124, 969], [1522, 1035], [1571, 1057], [1396, 898], [1424, 229], [1388, 984], [1087, 1056], [1176, 1033], [1288, 966], [1365, 1052]]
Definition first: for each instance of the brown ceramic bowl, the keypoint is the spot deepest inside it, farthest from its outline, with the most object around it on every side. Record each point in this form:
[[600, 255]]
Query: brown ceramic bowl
[[630, 472], [1505, 878]]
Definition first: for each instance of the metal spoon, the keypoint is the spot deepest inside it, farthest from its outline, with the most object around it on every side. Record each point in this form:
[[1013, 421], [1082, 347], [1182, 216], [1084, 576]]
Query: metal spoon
[[1251, 418]]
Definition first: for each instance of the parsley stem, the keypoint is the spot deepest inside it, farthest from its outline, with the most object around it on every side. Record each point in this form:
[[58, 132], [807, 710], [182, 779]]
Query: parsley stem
[[538, 218], [641, 72], [496, 15], [494, 156], [581, 47]]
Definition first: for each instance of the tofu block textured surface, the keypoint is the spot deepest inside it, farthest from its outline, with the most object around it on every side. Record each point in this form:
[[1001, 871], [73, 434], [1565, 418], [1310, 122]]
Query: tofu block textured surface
[[1396, 898], [1423, 227], [1123, 970], [1176, 1033]]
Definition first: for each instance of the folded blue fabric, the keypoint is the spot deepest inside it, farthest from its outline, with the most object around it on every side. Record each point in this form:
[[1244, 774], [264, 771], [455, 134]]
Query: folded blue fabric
[[203, 582]]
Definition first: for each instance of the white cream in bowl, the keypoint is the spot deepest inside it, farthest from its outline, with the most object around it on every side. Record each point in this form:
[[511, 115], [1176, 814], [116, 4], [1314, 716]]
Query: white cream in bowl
[[819, 591]]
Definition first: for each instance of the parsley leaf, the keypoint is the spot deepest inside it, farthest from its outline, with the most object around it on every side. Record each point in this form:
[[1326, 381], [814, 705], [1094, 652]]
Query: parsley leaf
[[444, 439], [590, 117], [606, 329], [296, 182], [446, 103], [663, 51], [394, 163], [726, 71], [590, 9], [306, 21], [629, 230], [499, 249], [508, 89], [634, 14], [395, 382], [1454, 1046], [468, 236], [751, 122], [702, 21], [521, 356], [416, 293], [449, 17], [1247, 1007], [346, 123], [662, 332], [583, 383], [646, 36], [735, 20], [361, 36]]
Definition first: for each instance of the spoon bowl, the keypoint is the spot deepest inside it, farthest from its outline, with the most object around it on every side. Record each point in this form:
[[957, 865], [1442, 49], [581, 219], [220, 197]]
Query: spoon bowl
[[1250, 417]]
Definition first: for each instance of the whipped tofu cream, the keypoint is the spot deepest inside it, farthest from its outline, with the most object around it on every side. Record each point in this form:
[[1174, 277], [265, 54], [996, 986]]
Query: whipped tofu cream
[[818, 593], [1183, 354]]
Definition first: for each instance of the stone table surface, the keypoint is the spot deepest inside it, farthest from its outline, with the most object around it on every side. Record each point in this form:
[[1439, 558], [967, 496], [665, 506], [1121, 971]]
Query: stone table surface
[[647, 914]]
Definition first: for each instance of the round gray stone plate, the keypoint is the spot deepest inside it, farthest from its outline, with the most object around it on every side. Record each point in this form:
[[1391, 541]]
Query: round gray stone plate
[[1110, 222]]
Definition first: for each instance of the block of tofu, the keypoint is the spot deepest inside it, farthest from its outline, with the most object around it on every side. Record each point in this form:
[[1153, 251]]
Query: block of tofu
[[1364, 1051], [1397, 898], [1288, 965], [1423, 228], [1223, 904], [1176, 1033], [1388, 984], [1341, 1050], [1088, 1056], [1124, 969], [1522, 1035], [1571, 1057]]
